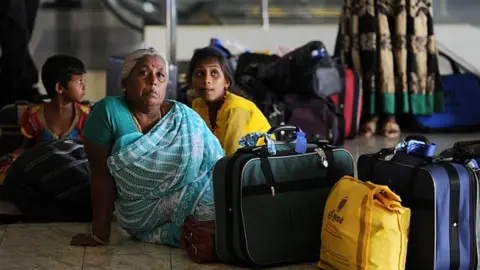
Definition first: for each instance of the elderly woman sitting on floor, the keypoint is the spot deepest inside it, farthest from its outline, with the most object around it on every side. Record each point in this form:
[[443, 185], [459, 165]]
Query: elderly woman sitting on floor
[[151, 157]]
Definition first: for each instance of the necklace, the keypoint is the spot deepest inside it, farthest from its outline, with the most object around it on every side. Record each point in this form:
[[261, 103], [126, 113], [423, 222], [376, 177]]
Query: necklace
[[137, 124], [213, 126]]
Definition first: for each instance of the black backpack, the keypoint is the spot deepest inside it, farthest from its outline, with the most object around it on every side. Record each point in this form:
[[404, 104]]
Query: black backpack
[[51, 183]]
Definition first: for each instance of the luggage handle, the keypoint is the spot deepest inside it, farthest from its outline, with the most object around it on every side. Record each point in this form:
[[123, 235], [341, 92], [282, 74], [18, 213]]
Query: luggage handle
[[383, 194], [466, 150], [266, 168], [453, 64], [291, 128], [283, 128], [417, 138], [466, 143]]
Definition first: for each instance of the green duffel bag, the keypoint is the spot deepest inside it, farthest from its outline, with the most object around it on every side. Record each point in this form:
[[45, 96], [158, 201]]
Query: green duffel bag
[[269, 208]]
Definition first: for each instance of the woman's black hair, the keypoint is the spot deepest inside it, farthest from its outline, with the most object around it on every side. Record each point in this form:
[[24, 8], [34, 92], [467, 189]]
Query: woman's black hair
[[209, 53]]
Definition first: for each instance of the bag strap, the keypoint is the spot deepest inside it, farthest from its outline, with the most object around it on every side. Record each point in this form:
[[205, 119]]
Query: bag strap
[[332, 176], [463, 150], [453, 64], [417, 146], [384, 195]]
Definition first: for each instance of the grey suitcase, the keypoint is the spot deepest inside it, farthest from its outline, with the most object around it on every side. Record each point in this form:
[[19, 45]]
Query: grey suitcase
[[269, 209]]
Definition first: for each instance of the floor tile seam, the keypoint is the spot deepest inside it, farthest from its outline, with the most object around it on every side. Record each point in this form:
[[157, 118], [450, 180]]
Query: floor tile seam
[[129, 253], [171, 261], [83, 257], [3, 235]]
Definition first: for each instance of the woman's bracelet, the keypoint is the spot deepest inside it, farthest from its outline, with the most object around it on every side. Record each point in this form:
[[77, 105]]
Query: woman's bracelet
[[98, 239]]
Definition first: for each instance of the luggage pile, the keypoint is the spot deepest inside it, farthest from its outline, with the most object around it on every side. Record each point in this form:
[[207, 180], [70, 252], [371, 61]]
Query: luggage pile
[[408, 209], [309, 88], [304, 87]]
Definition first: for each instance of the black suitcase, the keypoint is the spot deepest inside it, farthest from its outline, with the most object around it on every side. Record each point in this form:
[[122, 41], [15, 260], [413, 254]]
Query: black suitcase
[[443, 197], [269, 208]]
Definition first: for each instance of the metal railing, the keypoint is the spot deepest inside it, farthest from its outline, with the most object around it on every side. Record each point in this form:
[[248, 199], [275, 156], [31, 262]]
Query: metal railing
[[241, 12], [236, 12], [266, 12]]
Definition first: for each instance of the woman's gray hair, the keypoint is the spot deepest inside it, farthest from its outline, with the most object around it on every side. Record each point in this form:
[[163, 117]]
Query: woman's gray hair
[[133, 58]]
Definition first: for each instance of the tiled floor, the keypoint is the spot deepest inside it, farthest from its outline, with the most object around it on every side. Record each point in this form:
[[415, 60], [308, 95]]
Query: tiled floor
[[46, 246]]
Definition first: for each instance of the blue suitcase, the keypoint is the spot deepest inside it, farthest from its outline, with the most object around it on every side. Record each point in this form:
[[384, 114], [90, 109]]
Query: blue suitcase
[[443, 197]]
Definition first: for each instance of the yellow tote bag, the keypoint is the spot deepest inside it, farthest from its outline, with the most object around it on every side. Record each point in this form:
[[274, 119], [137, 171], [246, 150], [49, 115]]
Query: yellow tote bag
[[364, 227]]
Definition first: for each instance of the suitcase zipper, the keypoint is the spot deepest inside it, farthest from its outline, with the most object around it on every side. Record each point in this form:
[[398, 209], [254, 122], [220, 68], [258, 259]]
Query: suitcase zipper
[[323, 157], [273, 191]]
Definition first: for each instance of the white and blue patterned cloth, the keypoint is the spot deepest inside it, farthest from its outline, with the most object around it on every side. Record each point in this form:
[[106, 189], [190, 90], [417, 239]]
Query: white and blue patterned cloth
[[251, 139], [164, 176]]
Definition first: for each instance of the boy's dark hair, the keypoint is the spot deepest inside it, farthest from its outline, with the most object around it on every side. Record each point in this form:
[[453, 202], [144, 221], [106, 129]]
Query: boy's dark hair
[[209, 53], [60, 69]]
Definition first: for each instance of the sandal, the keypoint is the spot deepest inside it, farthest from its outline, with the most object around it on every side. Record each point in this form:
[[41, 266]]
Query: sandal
[[369, 128], [391, 129]]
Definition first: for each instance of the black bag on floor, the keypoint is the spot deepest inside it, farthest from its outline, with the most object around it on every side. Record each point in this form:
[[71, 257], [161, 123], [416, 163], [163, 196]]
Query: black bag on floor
[[319, 118], [265, 99], [300, 72], [443, 197], [51, 183], [269, 208]]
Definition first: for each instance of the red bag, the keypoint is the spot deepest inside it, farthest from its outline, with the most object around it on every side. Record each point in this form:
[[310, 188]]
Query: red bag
[[350, 101], [198, 239]]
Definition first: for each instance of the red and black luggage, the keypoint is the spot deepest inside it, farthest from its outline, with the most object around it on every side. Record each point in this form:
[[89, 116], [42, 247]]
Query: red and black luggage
[[350, 101]]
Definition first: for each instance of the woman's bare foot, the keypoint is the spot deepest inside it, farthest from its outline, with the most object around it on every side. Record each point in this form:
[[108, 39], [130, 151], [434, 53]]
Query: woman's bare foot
[[369, 128], [391, 129]]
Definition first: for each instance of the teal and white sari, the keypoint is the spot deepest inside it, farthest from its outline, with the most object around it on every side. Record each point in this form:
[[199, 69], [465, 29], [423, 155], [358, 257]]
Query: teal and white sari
[[164, 176]]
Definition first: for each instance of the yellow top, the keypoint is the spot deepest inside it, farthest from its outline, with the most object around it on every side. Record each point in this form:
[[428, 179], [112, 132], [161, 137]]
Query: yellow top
[[236, 118]]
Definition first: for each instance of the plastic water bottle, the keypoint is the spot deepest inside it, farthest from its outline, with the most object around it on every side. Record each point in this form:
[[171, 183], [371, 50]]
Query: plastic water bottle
[[472, 164]]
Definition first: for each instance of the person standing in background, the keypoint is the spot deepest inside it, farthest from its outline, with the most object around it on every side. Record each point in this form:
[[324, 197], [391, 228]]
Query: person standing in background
[[18, 73], [391, 43]]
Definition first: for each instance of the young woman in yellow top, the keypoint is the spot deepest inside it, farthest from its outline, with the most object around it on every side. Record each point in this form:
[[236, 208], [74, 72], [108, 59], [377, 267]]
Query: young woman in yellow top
[[228, 115]]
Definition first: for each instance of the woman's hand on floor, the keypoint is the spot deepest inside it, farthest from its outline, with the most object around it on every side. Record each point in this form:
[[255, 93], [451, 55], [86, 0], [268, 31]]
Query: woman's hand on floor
[[85, 239]]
